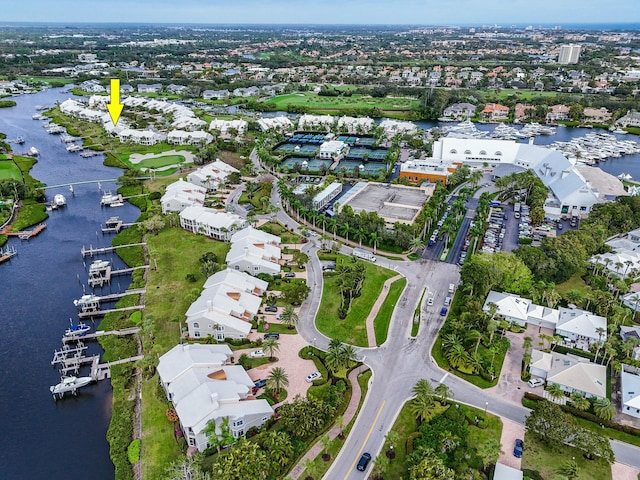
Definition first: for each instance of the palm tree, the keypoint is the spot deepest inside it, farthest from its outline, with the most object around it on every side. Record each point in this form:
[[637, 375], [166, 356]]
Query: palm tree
[[579, 401], [604, 409], [457, 356], [277, 379], [270, 346], [555, 390], [345, 229], [444, 393], [423, 388], [289, 317], [359, 235], [373, 238], [421, 407]]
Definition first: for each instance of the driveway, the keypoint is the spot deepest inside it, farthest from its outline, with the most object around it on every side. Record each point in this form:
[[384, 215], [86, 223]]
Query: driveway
[[510, 431], [296, 368], [510, 387], [620, 471]]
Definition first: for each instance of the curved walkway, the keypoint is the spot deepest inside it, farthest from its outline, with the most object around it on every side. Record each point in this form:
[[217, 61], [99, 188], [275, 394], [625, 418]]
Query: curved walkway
[[371, 333], [349, 413]]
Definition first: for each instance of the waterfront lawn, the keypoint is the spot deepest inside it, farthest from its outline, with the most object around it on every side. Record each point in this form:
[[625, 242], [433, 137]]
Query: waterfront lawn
[[353, 328], [548, 461], [10, 171], [31, 213], [383, 318]]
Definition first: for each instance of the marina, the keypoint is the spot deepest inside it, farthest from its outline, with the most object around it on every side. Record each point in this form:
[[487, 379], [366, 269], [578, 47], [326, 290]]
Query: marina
[[114, 225]]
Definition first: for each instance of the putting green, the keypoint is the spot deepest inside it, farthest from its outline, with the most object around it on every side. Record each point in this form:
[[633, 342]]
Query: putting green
[[162, 161]]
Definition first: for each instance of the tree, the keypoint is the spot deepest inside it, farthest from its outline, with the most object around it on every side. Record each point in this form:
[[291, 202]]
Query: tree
[[154, 224], [489, 451], [271, 347], [300, 258], [593, 445], [550, 424], [277, 379], [186, 469], [444, 393], [289, 317], [604, 409], [219, 436], [579, 401], [280, 449], [244, 460], [570, 469], [555, 390], [431, 467], [296, 293]]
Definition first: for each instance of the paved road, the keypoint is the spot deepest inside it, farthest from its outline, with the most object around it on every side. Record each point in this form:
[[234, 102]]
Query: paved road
[[401, 361]]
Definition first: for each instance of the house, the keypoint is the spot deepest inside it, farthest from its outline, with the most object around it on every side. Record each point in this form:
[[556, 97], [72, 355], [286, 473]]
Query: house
[[205, 388], [181, 137], [315, 122], [505, 472], [460, 111], [581, 327], [224, 126], [176, 89], [212, 223], [494, 111], [226, 306], [523, 111], [210, 176], [215, 94], [557, 113], [624, 258], [397, 127], [570, 372], [510, 307], [180, 195], [142, 137], [153, 88], [355, 124], [279, 123], [631, 119], [597, 115], [630, 387], [254, 251]]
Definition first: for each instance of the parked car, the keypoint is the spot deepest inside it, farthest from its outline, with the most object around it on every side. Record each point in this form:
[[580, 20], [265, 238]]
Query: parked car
[[290, 274], [256, 354], [271, 308], [443, 312], [260, 383], [314, 376], [535, 382], [430, 301], [363, 462], [559, 226], [518, 448], [275, 335]]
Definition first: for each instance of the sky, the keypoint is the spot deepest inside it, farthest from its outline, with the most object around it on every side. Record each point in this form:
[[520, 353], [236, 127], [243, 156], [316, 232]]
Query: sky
[[413, 12]]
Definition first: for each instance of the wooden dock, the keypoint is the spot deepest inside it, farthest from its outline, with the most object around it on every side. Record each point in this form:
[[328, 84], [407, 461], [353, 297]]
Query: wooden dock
[[101, 333], [7, 253], [100, 313], [24, 234], [114, 225], [100, 371], [100, 251]]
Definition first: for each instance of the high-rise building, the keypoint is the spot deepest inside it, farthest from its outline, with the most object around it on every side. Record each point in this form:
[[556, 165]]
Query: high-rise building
[[569, 54]]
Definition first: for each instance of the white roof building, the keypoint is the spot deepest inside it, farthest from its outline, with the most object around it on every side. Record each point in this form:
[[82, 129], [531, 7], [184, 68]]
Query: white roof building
[[323, 198], [630, 386], [624, 259], [211, 175], [356, 124], [505, 472], [210, 222], [582, 327], [510, 307], [313, 122], [180, 195], [183, 137], [223, 126], [204, 389], [279, 123], [254, 252], [398, 127], [331, 149]]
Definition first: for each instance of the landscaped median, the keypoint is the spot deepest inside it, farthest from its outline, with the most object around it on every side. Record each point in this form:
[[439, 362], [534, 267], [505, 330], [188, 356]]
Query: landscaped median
[[383, 318], [352, 329]]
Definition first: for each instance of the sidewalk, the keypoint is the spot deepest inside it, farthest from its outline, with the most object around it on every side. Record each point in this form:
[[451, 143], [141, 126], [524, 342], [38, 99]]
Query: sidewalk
[[349, 413], [371, 333]]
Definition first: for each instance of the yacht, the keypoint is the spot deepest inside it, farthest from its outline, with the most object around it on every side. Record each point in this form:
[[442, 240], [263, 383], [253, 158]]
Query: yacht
[[76, 330], [59, 200], [69, 384], [34, 152]]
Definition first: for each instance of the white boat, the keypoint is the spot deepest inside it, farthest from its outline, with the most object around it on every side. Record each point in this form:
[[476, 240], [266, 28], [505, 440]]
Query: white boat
[[619, 131], [116, 204], [34, 152], [76, 330], [59, 200], [69, 384]]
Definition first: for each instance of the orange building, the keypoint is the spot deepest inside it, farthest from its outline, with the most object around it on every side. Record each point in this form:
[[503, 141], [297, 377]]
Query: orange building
[[428, 170]]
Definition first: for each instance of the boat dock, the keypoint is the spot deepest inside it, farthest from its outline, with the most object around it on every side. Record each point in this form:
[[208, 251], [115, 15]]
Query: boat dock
[[90, 153], [100, 371], [68, 352], [101, 333], [114, 225], [7, 253], [24, 234], [99, 312], [100, 251], [88, 302]]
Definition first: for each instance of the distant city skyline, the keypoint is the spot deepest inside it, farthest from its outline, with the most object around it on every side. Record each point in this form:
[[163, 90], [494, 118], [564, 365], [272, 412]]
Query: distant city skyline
[[400, 12]]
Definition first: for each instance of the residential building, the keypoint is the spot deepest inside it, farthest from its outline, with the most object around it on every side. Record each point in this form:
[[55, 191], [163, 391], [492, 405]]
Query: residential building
[[494, 111], [323, 198], [581, 328], [331, 149], [224, 126], [558, 112], [315, 122], [427, 170], [215, 94], [505, 472], [212, 223], [624, 258], [631, 119], [254, 251], [570, 372], [153, 88], [460, 111], [522, 111], [182, 137], [205, 388], [630, 387], [355, 124], [142, 137], [397, 127], [597, 115], [279, 123], [210, 176], [569, 54], [180, 195]]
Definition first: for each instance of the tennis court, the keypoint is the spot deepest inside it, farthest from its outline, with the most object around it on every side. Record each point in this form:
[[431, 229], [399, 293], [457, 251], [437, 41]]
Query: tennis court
[[370, 168], [313, 164], [302, 149], [359, 153]]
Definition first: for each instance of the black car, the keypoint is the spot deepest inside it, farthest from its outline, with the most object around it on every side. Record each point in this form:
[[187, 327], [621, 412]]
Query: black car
[[518, 448], [363, 462], [275, 335], [260, 383], [271, 308]]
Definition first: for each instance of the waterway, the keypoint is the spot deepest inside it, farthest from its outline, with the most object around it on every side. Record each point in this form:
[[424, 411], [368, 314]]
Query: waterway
[[42, 438]]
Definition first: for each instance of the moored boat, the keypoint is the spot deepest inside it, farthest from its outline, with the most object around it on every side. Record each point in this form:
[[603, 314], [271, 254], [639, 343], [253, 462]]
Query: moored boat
[[76, 330], [34, 152], [69, 384], [59, 200]]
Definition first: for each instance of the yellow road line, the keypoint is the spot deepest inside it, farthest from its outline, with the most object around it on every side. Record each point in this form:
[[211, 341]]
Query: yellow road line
[[366, 439]]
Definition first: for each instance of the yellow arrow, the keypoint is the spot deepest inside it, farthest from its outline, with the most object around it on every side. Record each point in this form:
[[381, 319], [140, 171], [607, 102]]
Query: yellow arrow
[[115, 107]]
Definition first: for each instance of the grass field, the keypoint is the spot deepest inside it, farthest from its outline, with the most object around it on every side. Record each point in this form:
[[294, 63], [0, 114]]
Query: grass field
[[162, 161], [383, 318], [10, 171], [315, 101], [548, 461], [352, 329]]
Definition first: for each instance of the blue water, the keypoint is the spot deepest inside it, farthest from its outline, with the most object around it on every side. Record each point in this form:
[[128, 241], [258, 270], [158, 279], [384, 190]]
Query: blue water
[[42, 438]]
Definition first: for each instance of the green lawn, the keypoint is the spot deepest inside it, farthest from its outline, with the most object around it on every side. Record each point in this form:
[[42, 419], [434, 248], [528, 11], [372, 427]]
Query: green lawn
[[352, 329], [29, 214], [383, 318], [574, 283], [548, 461], [162, 161], [315, 101], [9, 171]]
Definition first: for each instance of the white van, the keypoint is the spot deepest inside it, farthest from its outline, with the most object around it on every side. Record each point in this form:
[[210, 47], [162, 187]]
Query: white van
[[447, 301], [452, 288]]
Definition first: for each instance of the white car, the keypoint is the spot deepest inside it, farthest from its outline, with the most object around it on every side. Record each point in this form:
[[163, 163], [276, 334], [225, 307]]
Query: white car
[[313, 376], [257, 353], [430, 301], [535, 382]]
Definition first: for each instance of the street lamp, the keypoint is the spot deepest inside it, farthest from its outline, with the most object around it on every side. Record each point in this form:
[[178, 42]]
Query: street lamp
[[486, 404]]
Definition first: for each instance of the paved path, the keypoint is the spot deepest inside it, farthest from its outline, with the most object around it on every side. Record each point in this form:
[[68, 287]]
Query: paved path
[[371, 333], [620, 471], [349, 413]]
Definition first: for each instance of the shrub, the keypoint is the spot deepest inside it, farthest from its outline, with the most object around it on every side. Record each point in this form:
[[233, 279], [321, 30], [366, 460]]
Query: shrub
[[133, 451]]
